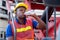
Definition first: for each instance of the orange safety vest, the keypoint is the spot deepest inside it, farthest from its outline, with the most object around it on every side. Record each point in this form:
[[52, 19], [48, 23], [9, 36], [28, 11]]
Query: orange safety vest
[[24, 32]]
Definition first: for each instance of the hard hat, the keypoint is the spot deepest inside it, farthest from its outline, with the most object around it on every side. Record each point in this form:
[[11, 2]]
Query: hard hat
[[21, 5]]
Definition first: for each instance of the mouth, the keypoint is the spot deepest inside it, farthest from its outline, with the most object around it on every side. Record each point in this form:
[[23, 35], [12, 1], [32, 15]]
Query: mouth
[[22, 16]]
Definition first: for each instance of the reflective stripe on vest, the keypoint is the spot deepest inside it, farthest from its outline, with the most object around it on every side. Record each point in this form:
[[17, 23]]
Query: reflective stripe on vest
[[24, 29]]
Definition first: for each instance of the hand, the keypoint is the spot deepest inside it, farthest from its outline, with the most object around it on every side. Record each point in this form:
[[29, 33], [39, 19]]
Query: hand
[[33, 15]]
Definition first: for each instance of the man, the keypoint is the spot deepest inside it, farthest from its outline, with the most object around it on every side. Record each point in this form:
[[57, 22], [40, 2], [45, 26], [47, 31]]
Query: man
[[24, 25]]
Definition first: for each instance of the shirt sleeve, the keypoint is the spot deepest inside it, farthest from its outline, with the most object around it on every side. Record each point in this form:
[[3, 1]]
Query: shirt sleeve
[[34, 22], [8, 31]]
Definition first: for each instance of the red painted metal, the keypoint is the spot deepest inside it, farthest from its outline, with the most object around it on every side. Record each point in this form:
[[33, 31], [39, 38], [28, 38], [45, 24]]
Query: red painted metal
[[51, 26], [41, 6], [37, 6]]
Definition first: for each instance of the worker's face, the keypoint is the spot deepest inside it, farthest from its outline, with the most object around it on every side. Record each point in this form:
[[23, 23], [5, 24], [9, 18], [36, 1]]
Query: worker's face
[[20, 12]]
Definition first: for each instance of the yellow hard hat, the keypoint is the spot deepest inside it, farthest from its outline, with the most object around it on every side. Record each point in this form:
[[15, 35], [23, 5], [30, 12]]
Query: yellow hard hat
[[21, 5]]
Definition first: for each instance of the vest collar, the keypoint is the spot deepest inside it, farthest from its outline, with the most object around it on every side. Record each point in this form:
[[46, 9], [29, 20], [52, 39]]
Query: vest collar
[[19, 22]]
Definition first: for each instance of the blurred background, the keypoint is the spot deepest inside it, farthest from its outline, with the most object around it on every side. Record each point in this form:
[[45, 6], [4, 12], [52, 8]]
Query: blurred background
[[7, 6]]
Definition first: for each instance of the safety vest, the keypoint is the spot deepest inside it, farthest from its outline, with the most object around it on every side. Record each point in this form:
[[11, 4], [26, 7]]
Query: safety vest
[[24, 32]]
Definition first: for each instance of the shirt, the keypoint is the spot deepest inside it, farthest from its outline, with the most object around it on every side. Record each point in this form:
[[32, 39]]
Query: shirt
[[9, 29]]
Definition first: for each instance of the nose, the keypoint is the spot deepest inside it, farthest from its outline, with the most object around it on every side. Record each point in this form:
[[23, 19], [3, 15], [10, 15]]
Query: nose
[[22, 11]]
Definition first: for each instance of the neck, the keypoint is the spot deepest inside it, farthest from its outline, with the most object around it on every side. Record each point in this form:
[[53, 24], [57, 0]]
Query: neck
[[21, 20]]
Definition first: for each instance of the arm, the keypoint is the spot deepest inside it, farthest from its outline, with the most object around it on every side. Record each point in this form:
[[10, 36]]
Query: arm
[[9, 35], [41, 24]]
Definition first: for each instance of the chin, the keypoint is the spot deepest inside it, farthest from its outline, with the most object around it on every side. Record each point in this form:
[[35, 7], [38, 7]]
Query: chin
[[21, 17]]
